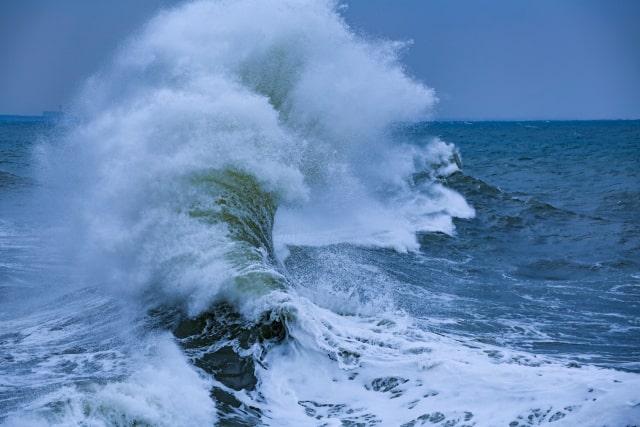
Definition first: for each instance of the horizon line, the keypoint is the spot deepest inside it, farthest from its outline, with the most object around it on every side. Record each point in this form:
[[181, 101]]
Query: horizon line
[[49, 114]]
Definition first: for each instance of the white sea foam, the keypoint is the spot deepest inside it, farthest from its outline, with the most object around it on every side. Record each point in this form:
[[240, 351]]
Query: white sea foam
[[285, 93], [163, 390], [382, 370]]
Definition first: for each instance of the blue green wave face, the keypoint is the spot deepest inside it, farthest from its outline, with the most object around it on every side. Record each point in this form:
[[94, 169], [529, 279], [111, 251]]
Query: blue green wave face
[[242, 204], [237, 200], [219, 341]]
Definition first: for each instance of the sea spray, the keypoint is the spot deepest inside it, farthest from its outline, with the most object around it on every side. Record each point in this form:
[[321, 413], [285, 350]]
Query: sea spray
[[276, 105], [208, 121], [222, 137]]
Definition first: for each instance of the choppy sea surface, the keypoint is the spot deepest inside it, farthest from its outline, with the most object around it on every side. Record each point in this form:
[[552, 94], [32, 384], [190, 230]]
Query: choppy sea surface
[[246, 221]]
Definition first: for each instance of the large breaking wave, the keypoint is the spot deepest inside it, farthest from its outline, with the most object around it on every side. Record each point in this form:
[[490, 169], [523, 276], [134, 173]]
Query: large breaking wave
[[216, 115], [223, 135]]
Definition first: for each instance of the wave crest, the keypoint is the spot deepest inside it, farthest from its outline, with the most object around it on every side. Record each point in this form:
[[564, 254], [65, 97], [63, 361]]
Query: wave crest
[[278, 105]]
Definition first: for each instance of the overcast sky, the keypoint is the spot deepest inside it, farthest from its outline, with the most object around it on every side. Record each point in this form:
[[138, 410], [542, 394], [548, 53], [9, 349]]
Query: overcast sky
[[492, 59]]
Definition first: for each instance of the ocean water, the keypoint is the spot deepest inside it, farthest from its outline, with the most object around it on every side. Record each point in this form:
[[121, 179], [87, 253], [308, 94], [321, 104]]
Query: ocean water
[[246, 219]]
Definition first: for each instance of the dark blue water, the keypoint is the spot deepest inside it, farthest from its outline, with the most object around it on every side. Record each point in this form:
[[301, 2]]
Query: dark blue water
[[549, 265], [235, 229], [551, 261]]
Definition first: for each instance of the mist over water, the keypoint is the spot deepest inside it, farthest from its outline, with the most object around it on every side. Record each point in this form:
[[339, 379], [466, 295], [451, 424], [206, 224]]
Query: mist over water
[[212, 98], [226, 232]]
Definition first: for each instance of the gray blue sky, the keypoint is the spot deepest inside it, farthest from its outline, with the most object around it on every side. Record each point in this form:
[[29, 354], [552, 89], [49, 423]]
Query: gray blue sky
[[492, 59]]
